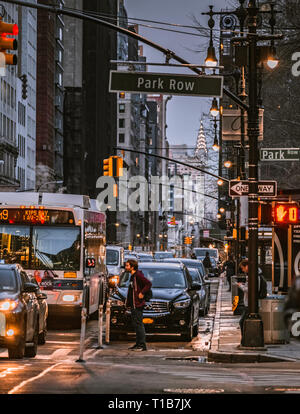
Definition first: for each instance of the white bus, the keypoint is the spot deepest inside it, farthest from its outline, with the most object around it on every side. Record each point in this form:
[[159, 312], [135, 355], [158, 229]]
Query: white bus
[[60, 240]]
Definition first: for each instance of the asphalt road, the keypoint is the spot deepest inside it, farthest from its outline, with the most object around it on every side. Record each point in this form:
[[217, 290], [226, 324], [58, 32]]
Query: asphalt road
[[169, 366]]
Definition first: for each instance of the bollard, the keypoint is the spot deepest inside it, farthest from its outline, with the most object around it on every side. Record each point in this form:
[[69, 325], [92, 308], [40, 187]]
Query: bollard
[[100, 328], [82, 334], [107, 326]]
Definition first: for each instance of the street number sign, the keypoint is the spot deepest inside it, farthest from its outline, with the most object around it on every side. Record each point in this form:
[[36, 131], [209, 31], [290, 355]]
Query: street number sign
[[279, 154], [165, 83], [238, 188]]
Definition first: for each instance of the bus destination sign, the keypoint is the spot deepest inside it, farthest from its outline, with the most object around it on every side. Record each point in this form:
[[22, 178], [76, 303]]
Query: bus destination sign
[[35, 216]]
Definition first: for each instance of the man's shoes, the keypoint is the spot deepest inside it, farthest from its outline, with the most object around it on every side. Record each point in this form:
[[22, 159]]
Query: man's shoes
[[133, 347], [140, 348]]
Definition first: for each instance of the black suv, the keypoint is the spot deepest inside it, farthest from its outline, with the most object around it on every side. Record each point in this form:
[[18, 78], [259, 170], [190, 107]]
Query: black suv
[[19, 312], [174, 307]]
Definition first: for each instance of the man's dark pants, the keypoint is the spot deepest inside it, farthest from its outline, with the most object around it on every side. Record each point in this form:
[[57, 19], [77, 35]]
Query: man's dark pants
[[137, 322], [242, 320]]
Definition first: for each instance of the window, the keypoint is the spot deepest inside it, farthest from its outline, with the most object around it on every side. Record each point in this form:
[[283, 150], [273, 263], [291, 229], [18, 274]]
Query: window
[[121, 138], [121, 108], [121, 123]]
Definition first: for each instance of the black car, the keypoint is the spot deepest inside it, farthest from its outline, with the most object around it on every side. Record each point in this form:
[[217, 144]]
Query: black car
[[174, 307], [205, 284], [160, 255], [19, 312], [203, 292]]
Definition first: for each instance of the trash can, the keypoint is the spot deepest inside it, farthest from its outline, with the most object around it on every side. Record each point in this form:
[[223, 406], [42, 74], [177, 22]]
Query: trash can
[[271, 312], [235, 291]]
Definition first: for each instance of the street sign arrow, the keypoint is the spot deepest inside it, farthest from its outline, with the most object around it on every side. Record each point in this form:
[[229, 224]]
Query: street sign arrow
[[238, 188]]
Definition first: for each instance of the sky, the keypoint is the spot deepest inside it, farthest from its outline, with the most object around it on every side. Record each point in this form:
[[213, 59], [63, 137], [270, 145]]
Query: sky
[[183, 113]]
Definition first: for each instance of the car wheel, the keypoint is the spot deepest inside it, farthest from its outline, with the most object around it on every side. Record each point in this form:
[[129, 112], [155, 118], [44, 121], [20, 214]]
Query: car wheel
[[195, 330], [17, 352], [188, 335], [31, 351]]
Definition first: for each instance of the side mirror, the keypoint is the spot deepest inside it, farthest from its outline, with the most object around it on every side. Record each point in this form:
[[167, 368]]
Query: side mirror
[[196, 286], [30, 288], [42, 296]]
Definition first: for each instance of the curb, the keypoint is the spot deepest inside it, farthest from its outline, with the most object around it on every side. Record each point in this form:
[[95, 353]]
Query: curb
[[217, 356], [216, 325]]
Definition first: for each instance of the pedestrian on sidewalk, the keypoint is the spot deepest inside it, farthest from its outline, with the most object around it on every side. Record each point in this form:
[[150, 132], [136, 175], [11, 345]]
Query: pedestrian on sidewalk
[[207, 263], [229, 268], [135, 301]]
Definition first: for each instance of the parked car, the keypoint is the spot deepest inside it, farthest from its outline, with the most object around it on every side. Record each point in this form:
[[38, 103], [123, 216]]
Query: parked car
[[214, 267], [114, 260], [43, 314], [19, 312], [174, 307], [143, 257], [130, 256], [203, 292], [162, 255], [200, 252]]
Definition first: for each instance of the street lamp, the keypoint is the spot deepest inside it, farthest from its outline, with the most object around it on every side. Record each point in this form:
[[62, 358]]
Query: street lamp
[[214, 110]]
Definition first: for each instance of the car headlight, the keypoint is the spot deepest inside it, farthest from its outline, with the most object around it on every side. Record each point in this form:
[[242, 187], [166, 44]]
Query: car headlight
[[116, 302], [70, 298], [182, 303], [8, 305]]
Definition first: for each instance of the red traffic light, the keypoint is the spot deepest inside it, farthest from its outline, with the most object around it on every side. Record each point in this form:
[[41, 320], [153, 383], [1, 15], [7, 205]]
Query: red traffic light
[[286, 213]]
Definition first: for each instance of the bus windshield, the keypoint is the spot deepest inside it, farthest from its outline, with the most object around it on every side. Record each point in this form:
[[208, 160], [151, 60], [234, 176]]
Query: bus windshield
[[41, 247]]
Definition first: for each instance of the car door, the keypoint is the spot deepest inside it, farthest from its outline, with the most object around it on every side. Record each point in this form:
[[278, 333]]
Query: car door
[[194, 295], [30, 301]]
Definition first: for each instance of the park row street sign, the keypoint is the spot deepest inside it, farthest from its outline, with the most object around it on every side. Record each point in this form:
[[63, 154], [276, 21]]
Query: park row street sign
[[238, 188], [165, 83], [279, 154]]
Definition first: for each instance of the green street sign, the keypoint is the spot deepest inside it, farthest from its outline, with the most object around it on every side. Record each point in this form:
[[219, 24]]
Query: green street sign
[[165, 83], [279, 154]]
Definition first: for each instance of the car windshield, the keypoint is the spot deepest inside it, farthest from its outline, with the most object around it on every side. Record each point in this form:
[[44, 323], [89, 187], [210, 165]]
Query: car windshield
[[42, 247], [194, 273], [160, 278], [162, 255], [196, 265], [112, 257], [202, 252], [8, 281]]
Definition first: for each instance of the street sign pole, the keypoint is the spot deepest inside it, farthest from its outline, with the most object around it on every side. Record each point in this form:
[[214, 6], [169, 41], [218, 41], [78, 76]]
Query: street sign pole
[[253, 334]]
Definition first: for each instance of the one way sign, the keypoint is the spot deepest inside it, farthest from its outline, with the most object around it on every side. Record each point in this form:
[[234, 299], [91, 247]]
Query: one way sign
[[238, 188]]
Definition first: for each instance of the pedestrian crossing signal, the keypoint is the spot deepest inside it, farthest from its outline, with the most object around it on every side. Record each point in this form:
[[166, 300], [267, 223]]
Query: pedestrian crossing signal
[[286, 213]]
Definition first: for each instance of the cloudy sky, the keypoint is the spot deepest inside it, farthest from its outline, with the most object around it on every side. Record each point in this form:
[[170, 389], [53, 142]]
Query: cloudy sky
[[184, 113]]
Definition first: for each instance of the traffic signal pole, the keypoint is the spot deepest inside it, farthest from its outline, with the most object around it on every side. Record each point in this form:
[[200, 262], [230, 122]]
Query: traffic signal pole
[[253, 334]]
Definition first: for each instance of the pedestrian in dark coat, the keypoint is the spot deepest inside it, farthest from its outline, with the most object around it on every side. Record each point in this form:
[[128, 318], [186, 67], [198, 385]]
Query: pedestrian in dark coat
[[229, 268], [135, 301]]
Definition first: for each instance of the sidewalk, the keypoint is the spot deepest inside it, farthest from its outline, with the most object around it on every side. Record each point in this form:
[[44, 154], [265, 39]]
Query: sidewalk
[[227, 336]]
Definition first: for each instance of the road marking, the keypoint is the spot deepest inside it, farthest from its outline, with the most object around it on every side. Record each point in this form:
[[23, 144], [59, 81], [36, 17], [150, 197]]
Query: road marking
[[59, 353], [23, 383]]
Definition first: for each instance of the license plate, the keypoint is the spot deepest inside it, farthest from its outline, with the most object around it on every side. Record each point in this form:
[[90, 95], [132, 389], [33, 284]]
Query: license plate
[[2, 324], [148, 320]]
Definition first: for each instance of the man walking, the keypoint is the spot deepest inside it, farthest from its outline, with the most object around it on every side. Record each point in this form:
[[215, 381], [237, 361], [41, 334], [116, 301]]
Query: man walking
[[207, 263], [138, 286]]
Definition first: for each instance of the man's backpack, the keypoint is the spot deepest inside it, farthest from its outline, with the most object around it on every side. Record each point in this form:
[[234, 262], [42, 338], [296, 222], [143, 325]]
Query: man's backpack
[[148, 295], [263, 291]]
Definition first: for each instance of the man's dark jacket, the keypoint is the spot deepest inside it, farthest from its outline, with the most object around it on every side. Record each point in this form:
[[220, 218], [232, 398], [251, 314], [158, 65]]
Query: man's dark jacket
[[140, 285]]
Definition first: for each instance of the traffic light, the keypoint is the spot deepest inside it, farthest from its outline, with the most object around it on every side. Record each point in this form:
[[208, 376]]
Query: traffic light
[[117, 165], [265, 214], [24, 86], [286, 213], [7, 43], [173, 221], [107, 167]]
